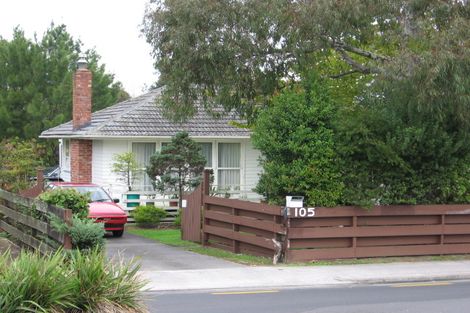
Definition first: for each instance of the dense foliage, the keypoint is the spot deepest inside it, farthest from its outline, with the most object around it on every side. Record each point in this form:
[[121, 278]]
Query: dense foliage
[[18, 163], [148, 215], [74, 282], [86, 235], [177, 166], [408, 141], [239, 53], [36, 83], [295, 138], [68, 198]]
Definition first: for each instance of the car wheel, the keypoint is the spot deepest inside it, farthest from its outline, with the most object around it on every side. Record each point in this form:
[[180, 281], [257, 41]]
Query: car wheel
[[118, 233]]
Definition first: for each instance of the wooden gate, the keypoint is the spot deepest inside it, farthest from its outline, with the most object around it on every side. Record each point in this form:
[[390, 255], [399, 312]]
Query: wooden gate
[[191, 215]]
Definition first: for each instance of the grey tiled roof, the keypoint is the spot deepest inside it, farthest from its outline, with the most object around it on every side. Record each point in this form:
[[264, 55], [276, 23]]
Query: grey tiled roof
[[141, 117]]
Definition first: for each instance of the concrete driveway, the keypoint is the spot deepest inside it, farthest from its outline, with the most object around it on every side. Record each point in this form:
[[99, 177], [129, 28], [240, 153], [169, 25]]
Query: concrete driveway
[[154, 256]]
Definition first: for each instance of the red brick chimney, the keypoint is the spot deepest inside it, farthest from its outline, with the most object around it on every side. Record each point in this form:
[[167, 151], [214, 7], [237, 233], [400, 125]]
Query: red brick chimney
[[81, 95], [81, 149]]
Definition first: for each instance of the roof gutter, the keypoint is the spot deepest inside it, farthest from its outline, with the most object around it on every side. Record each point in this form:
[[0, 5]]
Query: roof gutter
[[134, 137]]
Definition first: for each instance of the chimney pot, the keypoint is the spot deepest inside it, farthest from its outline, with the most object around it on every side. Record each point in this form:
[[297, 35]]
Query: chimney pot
[[82, 63]]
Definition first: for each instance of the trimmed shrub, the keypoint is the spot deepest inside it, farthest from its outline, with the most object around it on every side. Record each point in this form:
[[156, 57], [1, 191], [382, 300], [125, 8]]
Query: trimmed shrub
[[68, 199], [148, 215], [86, 234]]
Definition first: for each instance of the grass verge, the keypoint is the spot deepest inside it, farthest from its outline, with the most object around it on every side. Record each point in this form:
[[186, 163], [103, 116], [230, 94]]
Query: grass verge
[[172, 237]]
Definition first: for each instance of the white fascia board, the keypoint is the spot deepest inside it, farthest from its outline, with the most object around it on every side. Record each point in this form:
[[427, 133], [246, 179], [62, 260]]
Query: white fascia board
[[136, 137]]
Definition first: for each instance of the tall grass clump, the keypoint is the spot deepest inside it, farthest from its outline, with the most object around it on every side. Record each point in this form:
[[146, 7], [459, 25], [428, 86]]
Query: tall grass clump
[[105, 286], [69, 282], [32, 283]]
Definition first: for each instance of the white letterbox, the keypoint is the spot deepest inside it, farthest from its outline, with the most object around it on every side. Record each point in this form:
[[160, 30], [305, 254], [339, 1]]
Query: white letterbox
[[294, 201]]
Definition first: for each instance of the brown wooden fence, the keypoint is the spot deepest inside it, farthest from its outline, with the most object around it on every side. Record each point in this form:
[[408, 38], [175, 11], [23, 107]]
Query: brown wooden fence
[[329, 233], [234, 225], [350, 232], [243, 227], [27, 220]]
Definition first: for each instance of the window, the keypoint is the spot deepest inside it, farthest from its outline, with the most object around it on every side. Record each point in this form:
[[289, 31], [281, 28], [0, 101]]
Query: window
[[206, 151], [143, 152], [229, 166]]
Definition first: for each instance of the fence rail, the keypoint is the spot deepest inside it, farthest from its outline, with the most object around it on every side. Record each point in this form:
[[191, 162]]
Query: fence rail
[[351, 232], [27, 220]]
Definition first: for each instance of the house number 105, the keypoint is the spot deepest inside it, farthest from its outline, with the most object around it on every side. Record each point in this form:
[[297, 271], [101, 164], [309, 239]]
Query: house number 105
[[304, 212]]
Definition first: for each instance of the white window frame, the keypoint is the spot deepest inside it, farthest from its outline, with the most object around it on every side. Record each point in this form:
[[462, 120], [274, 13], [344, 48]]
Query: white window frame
[[239, 168]]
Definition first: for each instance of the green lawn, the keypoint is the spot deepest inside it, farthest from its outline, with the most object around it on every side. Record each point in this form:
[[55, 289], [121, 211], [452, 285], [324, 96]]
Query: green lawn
[[172, 237]]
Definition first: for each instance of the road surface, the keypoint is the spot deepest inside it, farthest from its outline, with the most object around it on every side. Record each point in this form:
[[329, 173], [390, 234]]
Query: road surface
[[429, 297]]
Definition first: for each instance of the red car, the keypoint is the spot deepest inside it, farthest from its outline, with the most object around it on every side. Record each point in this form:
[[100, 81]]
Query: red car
[[102, 207]]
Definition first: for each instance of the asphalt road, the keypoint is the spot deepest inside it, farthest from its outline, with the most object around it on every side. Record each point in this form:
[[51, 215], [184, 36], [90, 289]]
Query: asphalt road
[[429, 297]]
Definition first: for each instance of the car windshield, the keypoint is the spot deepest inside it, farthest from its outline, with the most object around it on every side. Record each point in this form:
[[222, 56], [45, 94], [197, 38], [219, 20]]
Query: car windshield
[[97, 194]]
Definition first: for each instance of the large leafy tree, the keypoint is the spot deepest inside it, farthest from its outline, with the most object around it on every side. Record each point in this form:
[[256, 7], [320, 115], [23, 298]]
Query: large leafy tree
[[239, 53], [36, 83], [398, 71], [179, 165]]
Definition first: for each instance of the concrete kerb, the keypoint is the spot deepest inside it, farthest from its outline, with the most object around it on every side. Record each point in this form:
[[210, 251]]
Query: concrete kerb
[[300, 277]]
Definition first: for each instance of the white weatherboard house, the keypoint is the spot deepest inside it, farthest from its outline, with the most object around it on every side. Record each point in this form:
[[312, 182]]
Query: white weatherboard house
[[89, 142]]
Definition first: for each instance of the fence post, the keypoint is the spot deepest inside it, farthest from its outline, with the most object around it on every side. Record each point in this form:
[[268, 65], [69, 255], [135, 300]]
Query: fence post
[[40, 177], [204, 192], [68, 220], [285, 238]]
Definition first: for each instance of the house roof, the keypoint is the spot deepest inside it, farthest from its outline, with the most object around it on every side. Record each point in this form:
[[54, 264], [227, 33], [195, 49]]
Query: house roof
[[141, 117]]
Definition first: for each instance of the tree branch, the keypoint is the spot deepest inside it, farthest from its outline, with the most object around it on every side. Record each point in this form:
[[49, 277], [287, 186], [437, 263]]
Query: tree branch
[[361, 52], [343, 74], [338, 44], [358, 67]]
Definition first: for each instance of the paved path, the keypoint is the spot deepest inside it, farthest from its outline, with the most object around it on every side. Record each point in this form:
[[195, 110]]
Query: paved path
[[155, 257]]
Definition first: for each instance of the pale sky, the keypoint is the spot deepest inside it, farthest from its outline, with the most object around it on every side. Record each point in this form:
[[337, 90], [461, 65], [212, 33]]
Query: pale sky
[[111, 27]]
